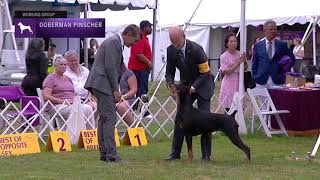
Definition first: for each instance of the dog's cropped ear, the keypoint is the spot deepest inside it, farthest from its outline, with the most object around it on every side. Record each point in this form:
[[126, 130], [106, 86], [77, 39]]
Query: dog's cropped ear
[[234, 113]]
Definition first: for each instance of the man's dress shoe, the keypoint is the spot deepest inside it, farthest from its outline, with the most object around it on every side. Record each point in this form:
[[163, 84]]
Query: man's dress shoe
[[172, 158], [103, 158], [114, 160], [205, 158]]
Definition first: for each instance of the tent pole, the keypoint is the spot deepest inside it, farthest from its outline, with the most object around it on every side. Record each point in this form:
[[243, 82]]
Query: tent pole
[[154, 31], [238, 32], [316, 146], [307, 31], [313, 23], [194, 12], [306, 35], [242, 43], [6, 4], [314, 43], [85, 40], [240, 114]]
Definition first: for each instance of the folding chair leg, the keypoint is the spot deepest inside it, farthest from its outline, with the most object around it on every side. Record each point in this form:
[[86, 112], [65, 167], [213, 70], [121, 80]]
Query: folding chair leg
[[268, 118], [266, 130], [22, 127], [252, 122], [57, 123], [282, 128], [264, 125], [2, 122]]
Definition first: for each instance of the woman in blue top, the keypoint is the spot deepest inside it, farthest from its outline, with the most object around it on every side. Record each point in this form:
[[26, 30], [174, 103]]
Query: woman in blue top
[[128, 89]]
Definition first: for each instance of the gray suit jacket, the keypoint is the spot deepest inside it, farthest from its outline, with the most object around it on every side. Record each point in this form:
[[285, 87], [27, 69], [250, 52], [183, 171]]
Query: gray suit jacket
[[106, 69]]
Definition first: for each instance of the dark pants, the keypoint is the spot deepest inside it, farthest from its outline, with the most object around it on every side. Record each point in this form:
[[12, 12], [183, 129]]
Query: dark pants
[[142, 81], [205, 138], [106, 124], [30, 83]]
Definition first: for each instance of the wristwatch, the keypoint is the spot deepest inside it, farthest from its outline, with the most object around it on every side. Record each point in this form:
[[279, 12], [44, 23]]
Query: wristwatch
[[193, 90], [125, 96]]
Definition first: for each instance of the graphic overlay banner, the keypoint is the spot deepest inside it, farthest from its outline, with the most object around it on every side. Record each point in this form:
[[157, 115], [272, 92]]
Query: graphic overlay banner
[[59, 27], [17, 144], [40, 14]]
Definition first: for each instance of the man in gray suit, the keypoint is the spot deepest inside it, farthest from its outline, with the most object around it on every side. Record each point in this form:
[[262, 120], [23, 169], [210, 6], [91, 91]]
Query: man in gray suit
[[103, 82]]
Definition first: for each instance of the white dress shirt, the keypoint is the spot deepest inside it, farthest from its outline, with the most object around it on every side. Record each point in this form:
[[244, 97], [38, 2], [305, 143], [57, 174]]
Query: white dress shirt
[[79, 81], [273, 46]]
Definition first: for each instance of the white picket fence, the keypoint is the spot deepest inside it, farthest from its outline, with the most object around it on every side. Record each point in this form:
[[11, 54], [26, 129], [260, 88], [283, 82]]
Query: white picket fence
[[14, 119]]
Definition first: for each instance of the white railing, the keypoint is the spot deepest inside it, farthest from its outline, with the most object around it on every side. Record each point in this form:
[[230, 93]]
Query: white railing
[[16, 120]]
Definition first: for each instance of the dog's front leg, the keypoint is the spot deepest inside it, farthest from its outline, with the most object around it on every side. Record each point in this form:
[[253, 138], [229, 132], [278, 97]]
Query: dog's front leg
[[189, 145]]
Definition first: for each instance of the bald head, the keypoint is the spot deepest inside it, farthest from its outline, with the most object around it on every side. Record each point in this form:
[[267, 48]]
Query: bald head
[[177, 36]]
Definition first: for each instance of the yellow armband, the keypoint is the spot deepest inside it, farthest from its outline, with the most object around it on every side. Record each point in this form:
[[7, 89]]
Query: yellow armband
[[204, 67]]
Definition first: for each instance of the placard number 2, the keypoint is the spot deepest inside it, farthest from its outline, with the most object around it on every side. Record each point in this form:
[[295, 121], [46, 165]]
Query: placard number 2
[[138, 139], [62, 148]]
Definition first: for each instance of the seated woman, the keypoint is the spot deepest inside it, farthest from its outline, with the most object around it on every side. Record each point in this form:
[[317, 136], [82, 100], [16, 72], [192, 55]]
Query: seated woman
[[78, 75], [59, 90], [128, 88]]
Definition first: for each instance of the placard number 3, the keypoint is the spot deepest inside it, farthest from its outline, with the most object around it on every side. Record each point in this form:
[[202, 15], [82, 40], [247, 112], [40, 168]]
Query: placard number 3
[[62, 148], [138, 139]]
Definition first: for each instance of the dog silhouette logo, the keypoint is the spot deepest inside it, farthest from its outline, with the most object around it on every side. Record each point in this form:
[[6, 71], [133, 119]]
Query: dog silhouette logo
[[24, 27]]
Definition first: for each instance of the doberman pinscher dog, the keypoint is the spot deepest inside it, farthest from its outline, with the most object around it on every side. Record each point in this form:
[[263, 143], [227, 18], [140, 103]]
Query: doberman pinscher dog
[[192, 122]]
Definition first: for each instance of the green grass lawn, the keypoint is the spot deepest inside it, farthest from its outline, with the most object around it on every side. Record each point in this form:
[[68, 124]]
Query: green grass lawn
[[269, 161]]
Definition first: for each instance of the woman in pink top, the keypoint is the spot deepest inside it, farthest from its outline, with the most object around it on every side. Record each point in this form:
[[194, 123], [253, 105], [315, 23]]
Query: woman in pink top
[[59, 90], [229, 64], [57, 86]]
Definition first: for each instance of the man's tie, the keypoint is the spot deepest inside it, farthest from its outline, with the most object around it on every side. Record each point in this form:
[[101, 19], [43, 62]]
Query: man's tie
[[269, 49], [181, 55]]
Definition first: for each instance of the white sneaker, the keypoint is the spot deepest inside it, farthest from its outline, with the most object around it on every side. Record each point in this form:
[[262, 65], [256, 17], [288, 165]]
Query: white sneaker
[[149, 117]]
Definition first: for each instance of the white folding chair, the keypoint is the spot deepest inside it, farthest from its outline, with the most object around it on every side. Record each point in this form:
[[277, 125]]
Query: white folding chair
[[264, 108], [67, 117], [46, 120]]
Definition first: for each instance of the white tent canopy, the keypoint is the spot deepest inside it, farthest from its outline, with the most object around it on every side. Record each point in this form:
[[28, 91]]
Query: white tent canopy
[[228, 11], [212, 14], [220, 13], [101, 5]]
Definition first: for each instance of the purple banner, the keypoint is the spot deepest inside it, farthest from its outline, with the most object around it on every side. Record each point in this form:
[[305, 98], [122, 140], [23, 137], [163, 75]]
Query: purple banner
[[59, 27]]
